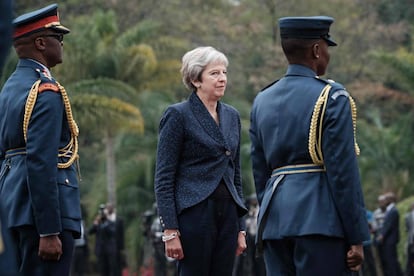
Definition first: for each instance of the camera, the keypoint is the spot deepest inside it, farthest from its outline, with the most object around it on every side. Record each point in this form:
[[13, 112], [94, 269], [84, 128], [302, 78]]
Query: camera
[[101, 212]]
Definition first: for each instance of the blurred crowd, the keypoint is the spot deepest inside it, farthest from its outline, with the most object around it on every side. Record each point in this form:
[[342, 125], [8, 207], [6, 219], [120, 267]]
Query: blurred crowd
[[381, 258], [381, 255], [108, 229]]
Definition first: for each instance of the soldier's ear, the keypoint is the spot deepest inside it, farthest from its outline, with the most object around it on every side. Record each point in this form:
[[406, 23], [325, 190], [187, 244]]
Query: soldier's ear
[[316, 50], [40, 43]]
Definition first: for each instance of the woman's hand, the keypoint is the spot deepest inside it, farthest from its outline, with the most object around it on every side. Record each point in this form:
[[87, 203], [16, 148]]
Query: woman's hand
[[173, 248], [241, 243]]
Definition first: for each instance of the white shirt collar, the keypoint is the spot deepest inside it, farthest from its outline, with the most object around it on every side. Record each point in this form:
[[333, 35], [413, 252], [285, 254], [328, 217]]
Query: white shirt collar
[[390, 206]]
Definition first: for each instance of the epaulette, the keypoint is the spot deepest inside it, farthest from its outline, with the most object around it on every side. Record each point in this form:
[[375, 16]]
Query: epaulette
[[48, 86], [46, 82], [335, 85], [270, 84]]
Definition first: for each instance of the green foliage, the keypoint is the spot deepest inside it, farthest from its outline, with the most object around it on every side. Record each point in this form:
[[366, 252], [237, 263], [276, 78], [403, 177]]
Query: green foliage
[[384, 166], [395, 11], [121, 69], [402, 63], [104, 87]]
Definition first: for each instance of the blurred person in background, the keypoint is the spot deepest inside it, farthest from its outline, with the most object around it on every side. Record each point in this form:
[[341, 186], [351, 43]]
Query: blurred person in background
[[377, 223], [388, 238], [109, 242], [80, 263], [409, 227]]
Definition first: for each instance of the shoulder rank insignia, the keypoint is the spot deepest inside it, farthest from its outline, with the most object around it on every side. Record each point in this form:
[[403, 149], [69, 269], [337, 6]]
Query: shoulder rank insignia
[[338, 93], [48, 86], [44, 73]]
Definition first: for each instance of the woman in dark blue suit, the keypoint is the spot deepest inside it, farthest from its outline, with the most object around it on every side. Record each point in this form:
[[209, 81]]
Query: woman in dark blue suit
[[197, 179]]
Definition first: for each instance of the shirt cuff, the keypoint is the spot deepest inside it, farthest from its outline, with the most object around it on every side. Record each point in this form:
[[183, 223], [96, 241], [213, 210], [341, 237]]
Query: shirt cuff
[[51, 234]]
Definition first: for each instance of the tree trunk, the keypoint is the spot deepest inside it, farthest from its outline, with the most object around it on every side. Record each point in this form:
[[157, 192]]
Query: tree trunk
[[110, 168]]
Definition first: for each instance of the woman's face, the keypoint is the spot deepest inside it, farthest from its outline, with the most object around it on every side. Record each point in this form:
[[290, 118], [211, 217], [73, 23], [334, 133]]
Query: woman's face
[[213, 81]]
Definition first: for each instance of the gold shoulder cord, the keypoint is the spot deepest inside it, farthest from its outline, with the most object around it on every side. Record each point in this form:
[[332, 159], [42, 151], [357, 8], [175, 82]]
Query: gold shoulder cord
[[315, 139], [315, 129], [71, 149], [1, 243], [354, 118]]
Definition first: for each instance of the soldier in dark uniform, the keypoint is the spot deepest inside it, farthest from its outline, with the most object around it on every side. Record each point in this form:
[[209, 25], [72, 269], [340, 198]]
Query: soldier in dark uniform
[[304, 156], [38, 147]]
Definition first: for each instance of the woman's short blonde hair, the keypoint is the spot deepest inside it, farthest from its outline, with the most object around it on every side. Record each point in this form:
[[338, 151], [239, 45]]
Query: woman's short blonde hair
[[195, 61]]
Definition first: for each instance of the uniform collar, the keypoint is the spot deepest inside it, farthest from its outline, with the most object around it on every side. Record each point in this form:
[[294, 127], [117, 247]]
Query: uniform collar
[[300, 70], [39, 67], [45, 71], [44, 67]]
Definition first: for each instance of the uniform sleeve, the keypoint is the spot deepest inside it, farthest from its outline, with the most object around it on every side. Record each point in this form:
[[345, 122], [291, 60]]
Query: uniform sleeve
[[261, 172], [171, 135], [342, 167], [43, 138]]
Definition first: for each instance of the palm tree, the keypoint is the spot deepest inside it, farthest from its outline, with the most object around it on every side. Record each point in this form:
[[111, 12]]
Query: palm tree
[[106, 115], [110, 77]]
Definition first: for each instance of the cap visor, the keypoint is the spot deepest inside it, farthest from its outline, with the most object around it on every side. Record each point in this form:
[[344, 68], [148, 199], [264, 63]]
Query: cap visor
[[330, 42], [60, 29]]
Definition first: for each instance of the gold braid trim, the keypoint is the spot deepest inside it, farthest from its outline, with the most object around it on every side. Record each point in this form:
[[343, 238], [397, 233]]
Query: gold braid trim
[[315, 139], [1, 242], [354, 118], [71, 149], [315, 129], [28, 108]]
